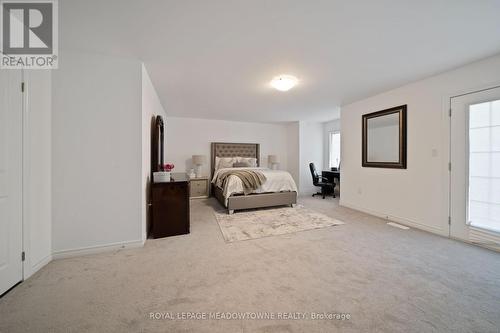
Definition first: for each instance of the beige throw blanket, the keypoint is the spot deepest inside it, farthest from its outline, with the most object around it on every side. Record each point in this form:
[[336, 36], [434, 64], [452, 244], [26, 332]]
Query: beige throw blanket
[[251, 179]]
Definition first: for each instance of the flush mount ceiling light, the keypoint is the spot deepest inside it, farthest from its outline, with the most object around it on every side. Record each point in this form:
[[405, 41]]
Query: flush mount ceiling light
[[284, 82]]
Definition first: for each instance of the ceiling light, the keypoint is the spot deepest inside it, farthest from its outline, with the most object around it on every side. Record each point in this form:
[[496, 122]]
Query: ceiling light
[[284, 82]]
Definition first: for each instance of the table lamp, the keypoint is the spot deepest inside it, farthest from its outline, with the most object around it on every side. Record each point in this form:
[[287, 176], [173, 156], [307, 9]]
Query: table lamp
[[198, 161], [274, 161]]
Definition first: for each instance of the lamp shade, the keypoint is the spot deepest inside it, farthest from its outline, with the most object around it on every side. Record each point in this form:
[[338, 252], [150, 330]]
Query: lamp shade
[[273, 159], [199, 159]]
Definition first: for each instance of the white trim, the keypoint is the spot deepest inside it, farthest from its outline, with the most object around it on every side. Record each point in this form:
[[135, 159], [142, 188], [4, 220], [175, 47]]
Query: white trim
[[83, 251], [30, 266], [487, 232], [485, 238], [41, 263], [484, 246], [446, 160], [27, 269], [32, 269], [477, 239], [476, 89], [397, 219]]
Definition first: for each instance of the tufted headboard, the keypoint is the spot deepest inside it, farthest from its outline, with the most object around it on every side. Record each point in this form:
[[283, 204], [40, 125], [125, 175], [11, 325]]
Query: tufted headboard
[[226, 149]]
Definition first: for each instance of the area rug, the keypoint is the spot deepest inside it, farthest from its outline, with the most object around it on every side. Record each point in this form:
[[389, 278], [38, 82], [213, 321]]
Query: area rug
[[253, 224]]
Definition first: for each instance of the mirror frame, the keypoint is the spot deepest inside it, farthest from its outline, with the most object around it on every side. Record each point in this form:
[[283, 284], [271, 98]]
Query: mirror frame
[[401, 164], [157, 144]]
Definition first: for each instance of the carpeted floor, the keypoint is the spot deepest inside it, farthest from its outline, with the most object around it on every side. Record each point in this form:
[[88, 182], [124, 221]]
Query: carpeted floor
[[386, 279]]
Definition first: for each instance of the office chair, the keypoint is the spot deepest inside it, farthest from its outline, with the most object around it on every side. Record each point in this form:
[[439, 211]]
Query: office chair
[[322, 182]]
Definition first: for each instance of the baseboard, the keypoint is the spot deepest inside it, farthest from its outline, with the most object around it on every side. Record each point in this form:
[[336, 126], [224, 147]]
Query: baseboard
[[308, 194], [485, 246], [485, 238], [41, 263], [401, 220], [35, 268], [96, 249]]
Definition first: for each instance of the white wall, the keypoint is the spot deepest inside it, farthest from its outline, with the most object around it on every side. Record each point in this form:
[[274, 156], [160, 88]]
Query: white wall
[[297, 144], [416, 196], [311, 150], [293, 151], [151, 107], [37, 217], [330, 126], [187, 136], [96, 152]]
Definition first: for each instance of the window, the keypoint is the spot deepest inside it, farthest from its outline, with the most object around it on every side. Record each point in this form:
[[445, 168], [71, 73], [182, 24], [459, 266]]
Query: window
[[484, 165], [334, 160]]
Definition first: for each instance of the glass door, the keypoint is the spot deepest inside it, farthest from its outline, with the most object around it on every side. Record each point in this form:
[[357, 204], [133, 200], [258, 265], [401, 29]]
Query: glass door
[[475, 166]]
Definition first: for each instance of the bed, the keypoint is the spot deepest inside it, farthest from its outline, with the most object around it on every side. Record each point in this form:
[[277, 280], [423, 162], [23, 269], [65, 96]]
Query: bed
[[279, 188]]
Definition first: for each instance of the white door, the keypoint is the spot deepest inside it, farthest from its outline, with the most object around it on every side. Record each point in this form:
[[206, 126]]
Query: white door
[[475, 167], [11, 124]]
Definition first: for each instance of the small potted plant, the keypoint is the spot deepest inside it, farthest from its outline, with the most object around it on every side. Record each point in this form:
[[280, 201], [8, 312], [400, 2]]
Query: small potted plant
[[164, 174], [168, 168]]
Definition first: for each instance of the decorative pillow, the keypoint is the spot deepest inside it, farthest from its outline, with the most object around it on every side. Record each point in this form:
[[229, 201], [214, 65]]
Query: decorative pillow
[[241, 165], [224, 162], [251, 161]]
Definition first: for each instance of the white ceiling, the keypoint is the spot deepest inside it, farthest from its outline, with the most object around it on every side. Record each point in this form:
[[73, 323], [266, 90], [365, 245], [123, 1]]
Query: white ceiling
[[214, 58]]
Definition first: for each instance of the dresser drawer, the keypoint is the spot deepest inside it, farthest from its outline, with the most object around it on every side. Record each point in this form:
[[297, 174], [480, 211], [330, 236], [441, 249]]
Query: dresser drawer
[[198, 192], [199, 188], [170, 208], [169, 192]]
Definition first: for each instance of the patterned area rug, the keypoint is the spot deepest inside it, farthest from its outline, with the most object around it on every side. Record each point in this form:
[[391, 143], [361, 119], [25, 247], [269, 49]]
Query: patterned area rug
[[253, 224]]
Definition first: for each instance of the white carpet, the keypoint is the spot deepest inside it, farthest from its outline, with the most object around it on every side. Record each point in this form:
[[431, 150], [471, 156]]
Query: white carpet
[[258, 223], [387, 279]]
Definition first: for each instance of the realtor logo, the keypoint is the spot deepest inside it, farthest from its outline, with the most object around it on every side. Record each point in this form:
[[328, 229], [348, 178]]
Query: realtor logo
[[28, 34]]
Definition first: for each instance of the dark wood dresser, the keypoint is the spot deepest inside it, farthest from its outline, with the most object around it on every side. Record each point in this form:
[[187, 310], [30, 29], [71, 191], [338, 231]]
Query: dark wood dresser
[[170, 207]]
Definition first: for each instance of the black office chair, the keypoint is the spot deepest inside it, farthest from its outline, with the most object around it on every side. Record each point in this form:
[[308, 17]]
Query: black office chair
[[320, 181]]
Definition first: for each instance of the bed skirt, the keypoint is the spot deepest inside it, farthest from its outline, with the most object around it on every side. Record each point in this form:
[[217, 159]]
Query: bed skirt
[[256, 200]]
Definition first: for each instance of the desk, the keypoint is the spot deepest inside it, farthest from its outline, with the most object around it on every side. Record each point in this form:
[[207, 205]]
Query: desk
[[331, 176]]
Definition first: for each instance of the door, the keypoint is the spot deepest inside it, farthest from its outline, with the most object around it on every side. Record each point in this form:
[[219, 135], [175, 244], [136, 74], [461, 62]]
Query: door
[[475, 167], [11, 124]]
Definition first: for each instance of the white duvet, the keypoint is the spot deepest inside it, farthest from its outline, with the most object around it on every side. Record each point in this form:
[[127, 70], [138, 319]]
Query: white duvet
[[276, 181]]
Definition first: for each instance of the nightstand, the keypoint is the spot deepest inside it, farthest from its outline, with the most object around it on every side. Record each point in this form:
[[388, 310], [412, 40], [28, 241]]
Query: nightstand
[[200, 187]]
